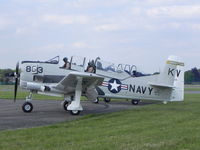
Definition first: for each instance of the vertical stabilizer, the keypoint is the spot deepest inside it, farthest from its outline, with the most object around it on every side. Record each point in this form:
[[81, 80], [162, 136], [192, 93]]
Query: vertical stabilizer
[[173, 76]]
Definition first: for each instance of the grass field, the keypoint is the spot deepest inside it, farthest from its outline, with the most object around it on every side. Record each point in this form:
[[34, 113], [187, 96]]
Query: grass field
[[175, 126], [7, 92], [192, 87], [23, 94], [6, 87]]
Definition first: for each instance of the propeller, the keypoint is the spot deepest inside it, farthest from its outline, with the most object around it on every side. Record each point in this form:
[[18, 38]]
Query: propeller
[[16, 81]]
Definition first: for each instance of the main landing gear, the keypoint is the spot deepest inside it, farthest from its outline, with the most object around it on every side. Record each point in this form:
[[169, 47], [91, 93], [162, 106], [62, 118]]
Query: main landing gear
[[96, 101], [65, 105], [27, 107], [107, 100], [75, 112], [75, 107], [67, 101], [135, 101]]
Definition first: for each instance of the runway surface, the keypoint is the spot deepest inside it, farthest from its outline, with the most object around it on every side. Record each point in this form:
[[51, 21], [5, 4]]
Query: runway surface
[[46, 112]]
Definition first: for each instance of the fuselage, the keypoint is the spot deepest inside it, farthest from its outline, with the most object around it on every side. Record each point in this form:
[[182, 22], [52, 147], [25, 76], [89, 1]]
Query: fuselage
[[116, 84]]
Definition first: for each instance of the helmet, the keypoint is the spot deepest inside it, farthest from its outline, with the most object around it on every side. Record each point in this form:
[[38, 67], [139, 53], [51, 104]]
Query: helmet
[[65, 59], [91, 63]]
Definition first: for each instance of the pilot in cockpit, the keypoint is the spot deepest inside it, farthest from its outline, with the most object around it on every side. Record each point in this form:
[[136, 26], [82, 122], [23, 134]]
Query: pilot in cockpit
[[91, 92], [67, 64], [91, 68]]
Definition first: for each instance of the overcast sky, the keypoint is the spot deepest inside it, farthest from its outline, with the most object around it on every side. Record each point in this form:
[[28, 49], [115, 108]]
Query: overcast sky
[[140, 32]]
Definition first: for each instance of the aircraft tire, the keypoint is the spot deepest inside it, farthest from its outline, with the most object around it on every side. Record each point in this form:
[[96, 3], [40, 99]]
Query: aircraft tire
[[96, 101], [107, 100], [27, 107], [65, 105], [75, 112], [135, 102]]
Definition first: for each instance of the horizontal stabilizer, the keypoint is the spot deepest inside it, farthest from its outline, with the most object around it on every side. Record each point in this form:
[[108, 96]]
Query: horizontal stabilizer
[[161, 85], [176, 63]]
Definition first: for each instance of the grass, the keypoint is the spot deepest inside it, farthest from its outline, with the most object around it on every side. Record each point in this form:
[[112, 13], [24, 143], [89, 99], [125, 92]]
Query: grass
[[7, 87], [7, 92], [23, 94], [174, 126], [192, 87]]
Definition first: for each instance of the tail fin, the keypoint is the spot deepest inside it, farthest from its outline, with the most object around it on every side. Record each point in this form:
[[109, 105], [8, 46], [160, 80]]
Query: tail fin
[[172, 77]]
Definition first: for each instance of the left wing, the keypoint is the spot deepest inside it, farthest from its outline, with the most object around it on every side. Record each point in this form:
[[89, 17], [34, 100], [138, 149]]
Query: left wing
[[70, 81]]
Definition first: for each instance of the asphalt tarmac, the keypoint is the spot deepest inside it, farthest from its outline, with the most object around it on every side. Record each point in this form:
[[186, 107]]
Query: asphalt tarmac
[[46, 112]]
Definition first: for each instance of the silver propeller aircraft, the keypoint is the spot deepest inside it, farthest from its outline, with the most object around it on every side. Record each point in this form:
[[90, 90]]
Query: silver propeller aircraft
[[98, 79]]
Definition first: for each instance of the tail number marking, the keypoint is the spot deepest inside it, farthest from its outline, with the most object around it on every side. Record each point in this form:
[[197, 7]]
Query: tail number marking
[[174, 72]]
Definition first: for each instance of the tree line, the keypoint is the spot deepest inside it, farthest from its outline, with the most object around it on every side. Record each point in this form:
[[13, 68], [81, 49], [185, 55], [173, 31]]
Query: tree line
[[192, 76], [6, 76]]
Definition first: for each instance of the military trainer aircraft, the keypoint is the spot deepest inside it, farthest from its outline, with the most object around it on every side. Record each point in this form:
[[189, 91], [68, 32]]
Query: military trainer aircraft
[[98, 80]]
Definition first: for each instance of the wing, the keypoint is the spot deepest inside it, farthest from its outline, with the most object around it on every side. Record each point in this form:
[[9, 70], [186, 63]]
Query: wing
[[69, 82]]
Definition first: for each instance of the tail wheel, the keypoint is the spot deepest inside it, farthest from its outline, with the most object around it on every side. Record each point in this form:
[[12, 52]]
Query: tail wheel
[[75, 112], [27, 107], [65, 105], [135, 102], [107, 100]]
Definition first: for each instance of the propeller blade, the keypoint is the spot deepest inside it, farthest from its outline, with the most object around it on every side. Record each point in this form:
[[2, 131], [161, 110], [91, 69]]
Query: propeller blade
[[16, 85], [17, 68], [16, 81]]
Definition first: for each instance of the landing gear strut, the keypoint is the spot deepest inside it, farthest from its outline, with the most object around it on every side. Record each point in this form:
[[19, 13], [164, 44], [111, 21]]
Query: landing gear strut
[[75, 106]]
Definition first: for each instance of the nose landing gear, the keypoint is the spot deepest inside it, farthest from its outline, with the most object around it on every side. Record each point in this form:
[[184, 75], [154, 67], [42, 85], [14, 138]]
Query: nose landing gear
[[27, 107]]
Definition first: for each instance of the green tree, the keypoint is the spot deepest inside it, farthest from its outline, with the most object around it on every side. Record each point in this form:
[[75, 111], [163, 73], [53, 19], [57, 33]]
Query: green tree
[[189, 77]]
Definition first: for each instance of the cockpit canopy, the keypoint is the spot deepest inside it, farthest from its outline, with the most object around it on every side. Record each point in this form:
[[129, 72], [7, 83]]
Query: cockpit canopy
[[80, 64], [54, 60], [111, 67]]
